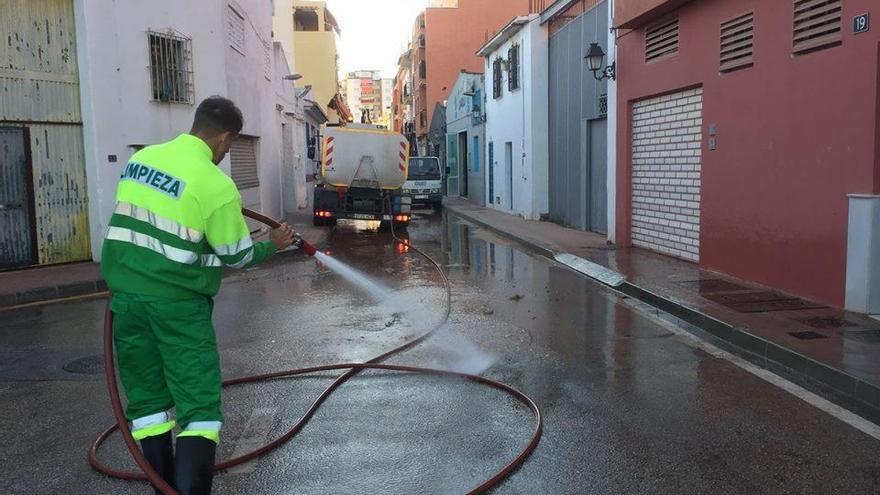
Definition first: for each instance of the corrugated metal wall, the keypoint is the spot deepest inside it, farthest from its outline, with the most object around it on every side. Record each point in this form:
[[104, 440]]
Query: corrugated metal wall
[[40, 90], [16, 238], [574, 102]]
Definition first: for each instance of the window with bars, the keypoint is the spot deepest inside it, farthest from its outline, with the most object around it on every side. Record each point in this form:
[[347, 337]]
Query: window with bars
[[496, 78], [513, 71], [661, 40], [171, 74], [603, 105], [817, 24], [737, 43], [235, 29], [267, 61]]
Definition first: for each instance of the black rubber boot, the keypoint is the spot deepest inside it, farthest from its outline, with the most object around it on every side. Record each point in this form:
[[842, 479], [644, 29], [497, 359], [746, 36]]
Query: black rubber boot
[[159, 452], [194, 465]]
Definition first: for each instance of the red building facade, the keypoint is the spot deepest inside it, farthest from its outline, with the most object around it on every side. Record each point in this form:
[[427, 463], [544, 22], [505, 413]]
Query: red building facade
[[453, 35], [743, 126]]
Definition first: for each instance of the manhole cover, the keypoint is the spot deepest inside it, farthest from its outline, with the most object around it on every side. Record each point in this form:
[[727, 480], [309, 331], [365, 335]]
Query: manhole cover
[[808, 335], [827, 322], [710, 285], [90, 365]]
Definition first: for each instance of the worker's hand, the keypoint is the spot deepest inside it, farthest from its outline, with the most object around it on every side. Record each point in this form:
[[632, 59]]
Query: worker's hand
[[282, 237]]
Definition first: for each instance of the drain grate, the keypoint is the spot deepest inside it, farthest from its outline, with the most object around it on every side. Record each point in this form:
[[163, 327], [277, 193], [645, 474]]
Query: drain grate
[[90, 365], [827, 322], [807, 335], [761, 302], [710, 285]]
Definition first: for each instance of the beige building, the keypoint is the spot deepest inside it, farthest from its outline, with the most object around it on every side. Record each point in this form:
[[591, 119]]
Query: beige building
[[308, 34]]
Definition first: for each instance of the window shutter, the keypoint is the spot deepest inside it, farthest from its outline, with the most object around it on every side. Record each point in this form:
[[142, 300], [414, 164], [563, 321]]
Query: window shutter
[[817, 24], [245, 172], [737, 42], [513, 75], [661, 40], [496, 78], [235, 29]]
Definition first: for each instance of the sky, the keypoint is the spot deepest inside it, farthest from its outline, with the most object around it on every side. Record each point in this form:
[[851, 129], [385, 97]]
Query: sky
[[374, 32]]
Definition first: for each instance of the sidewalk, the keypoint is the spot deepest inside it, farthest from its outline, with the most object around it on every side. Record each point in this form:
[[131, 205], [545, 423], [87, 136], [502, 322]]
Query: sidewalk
[[75, 280], [824, 348]]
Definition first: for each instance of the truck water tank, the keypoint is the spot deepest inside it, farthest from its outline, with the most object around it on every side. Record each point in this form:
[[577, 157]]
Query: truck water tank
[[364, 157]]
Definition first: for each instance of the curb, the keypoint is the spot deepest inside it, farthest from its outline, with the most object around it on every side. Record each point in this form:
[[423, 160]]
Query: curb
[[47, 294], [854, 392]]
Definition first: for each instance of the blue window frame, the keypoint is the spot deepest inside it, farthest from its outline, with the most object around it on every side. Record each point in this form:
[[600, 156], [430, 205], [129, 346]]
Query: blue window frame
[[475, 155]]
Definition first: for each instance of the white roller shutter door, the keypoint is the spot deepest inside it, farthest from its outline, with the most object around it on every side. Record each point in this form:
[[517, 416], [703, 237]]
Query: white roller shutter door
[[666, 162], [243, 156]]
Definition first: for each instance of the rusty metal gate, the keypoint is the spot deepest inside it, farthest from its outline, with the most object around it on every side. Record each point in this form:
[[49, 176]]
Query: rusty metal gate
[[17, 246], [39, 84]]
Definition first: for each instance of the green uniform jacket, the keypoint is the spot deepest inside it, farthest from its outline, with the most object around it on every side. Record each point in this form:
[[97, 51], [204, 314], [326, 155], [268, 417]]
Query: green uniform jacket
[[177, 222]]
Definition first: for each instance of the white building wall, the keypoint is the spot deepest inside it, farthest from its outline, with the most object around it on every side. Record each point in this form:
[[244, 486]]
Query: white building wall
[[249, 84], [387, 95], [291, 153], [520, 118], [611, 152], [113, 53], [353, 97], [118, 113]]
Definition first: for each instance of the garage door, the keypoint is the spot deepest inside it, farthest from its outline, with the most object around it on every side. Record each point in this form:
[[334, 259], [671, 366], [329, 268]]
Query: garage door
[[246, 174], [243, 156], [666, 159]]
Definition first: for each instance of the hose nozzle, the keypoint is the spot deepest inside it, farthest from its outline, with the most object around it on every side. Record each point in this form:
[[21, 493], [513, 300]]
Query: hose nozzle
[[301, 243], [298, 241]]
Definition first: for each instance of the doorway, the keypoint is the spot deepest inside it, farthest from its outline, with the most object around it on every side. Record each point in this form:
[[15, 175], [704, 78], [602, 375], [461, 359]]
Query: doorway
[[463, 164], [17, 246], [490, 198], [508, 162]]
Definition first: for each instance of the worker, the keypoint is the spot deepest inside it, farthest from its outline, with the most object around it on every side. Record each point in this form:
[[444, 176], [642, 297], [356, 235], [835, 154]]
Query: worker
[[177, 223]]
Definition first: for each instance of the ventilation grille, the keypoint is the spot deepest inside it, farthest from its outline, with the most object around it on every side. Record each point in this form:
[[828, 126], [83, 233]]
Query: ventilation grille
[[817, 24], [661, 40], [737, 38]]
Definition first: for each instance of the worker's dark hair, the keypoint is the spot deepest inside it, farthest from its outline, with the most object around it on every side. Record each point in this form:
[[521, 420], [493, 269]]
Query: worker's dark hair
[[216, 115]]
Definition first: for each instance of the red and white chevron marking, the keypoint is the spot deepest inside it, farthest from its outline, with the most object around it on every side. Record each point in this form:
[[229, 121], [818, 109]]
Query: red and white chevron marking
[[328, 152], [401, 164]]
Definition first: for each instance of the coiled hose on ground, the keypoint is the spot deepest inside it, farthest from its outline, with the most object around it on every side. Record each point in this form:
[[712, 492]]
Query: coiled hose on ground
[[150, 474]]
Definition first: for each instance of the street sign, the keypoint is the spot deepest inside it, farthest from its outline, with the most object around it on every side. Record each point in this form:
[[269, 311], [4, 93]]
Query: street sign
[[861, 23]]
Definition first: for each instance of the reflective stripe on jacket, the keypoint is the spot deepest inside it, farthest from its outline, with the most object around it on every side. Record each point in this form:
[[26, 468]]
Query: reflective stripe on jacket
[[177, 222]]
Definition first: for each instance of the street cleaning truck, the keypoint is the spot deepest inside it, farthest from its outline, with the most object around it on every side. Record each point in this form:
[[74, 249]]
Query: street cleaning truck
[[363, 169]]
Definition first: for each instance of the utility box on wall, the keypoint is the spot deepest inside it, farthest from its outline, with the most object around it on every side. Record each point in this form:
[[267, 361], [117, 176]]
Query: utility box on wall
[[863, 254]]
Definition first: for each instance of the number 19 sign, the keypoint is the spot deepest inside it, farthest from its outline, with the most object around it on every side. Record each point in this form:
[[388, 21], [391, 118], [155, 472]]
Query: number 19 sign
[[860, 23]]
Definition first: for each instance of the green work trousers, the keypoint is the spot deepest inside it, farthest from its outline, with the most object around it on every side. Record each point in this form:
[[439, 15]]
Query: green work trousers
[[167, 356]]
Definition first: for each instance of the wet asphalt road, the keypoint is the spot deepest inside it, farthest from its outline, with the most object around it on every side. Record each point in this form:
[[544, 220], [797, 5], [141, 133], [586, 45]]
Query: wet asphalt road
[[629, 406]]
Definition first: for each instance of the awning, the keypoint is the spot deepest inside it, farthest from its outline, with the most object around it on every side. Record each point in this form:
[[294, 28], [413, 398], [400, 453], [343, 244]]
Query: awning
[[338, 103]]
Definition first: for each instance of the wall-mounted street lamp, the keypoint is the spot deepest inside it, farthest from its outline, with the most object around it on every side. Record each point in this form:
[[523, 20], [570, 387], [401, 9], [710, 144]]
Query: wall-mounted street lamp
[[595, 58]]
